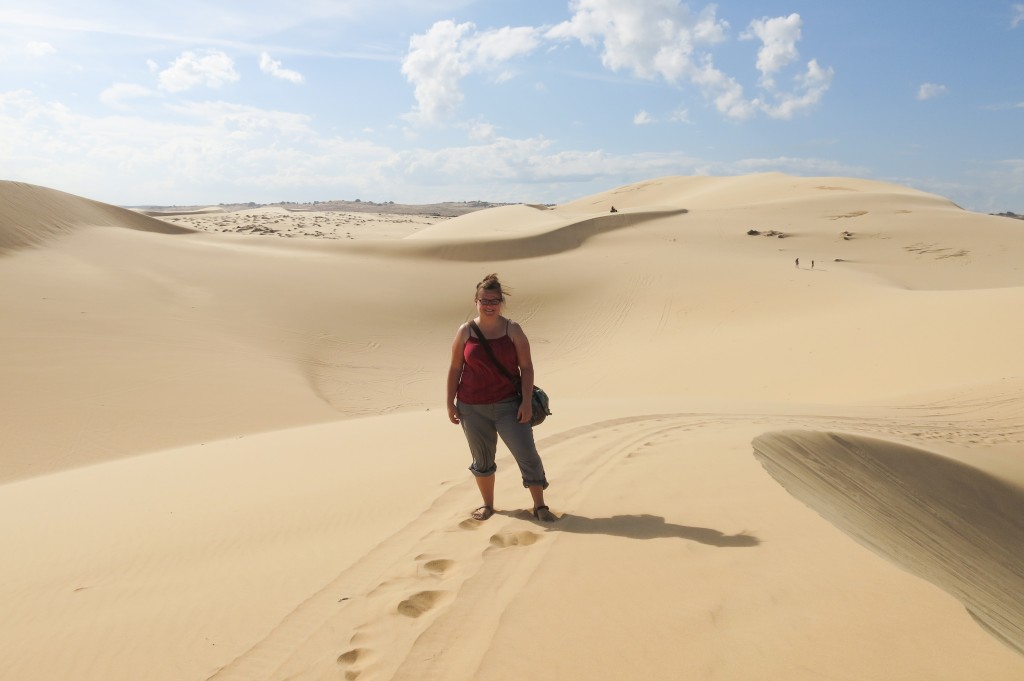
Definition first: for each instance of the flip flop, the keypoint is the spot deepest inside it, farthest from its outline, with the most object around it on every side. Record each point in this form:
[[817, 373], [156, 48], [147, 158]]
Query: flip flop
[[483, 513], [544, 514]]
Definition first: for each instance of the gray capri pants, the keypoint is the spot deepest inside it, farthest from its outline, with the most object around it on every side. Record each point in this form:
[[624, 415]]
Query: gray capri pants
[[483, 423]]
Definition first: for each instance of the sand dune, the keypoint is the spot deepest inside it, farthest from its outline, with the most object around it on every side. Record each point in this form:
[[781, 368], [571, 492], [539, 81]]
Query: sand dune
[[463, 240], [32, 215], [914, 507], [226, 454]]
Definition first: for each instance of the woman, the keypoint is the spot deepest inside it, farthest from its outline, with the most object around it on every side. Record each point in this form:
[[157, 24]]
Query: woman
[[485, 401]]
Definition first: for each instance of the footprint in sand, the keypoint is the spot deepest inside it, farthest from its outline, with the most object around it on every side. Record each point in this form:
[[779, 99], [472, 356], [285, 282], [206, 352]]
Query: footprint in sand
[[439, 566], [350, 659], [417, 604], [352, 656], [505, 539]]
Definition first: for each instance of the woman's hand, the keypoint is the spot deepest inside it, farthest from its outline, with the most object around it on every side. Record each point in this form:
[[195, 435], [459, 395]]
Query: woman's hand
[[525, 411], [453, 414]]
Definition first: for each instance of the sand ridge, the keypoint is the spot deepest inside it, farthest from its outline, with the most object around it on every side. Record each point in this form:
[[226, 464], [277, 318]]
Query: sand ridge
[[912, 506], [31, 215]]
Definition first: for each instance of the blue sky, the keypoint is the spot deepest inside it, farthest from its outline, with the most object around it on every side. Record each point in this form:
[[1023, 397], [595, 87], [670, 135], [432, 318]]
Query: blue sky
[[135, 102]]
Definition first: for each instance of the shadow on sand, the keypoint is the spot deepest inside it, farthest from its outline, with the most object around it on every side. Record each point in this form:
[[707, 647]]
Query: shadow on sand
[[645, 526]]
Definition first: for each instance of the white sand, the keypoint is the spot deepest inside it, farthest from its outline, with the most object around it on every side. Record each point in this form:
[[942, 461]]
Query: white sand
[[226, 456]]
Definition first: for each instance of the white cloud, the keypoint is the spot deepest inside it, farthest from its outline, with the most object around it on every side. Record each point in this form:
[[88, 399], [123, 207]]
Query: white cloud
[[726, 93], [240, 121], [648, 38], [211, 152], [1018, 15], [511, 169], [661, 38], [492, 48], [210, 68], [794, 165], [34, 49], [435, 65], [1003, 107], [779, 37], [117, 94], [994, 186], [931, 91], [811, 87], [274, 68], [479, 132], [642, 118], [681, 115], [439, 59], [219, 152]]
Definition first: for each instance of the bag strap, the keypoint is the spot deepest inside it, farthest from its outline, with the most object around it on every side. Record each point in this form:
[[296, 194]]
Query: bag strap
[[490, 353]]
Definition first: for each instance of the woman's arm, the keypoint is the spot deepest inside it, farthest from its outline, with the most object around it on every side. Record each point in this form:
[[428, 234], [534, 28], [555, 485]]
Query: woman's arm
[[525, 360], [455, 371]]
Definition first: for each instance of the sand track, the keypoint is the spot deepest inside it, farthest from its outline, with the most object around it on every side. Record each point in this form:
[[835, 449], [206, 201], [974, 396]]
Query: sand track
[[424, 585]]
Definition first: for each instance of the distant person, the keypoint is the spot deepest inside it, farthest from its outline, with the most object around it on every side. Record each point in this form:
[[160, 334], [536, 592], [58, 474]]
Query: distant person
[[812, 264], [486, 402], [798, 263], [613, 210]]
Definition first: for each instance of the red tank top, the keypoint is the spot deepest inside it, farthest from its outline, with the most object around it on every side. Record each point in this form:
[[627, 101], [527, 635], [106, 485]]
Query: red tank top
[[482, 382]]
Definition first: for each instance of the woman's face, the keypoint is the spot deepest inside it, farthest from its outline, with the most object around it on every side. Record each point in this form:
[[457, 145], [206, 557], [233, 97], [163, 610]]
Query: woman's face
[[488, 303]]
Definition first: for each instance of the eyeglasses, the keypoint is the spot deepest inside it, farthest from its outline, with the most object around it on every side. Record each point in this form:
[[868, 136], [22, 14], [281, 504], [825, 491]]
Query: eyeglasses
[[489, 301]]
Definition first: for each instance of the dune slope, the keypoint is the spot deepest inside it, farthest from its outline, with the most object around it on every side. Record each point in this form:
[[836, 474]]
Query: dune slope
[[941, 519], [31, 215]]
